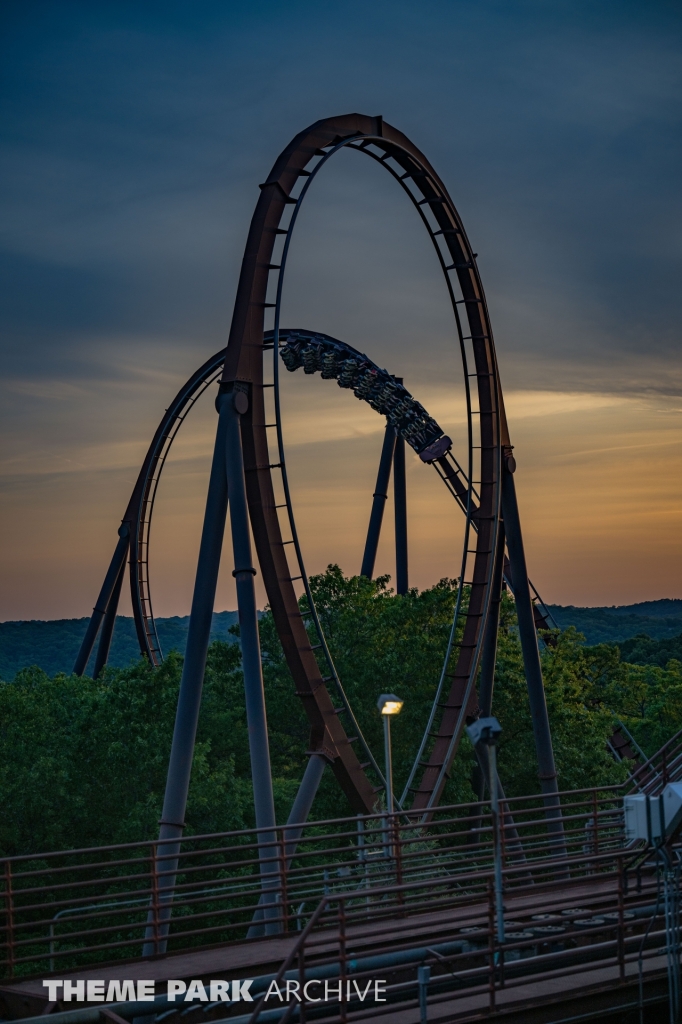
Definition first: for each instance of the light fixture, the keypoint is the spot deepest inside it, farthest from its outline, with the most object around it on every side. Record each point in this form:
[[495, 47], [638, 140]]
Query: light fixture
[[389, 704]]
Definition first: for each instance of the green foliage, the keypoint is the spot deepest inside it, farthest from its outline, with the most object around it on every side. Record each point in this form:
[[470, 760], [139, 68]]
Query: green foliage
[[381, 642], [83, 762], [648, 699], [642, 650], [580, 725]]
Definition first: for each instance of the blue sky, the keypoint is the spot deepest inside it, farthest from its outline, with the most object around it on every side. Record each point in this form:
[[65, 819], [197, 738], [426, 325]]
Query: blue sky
[[133, 137]]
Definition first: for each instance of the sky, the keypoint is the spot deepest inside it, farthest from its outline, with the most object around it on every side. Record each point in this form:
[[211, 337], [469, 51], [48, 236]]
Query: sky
[[133, 137]]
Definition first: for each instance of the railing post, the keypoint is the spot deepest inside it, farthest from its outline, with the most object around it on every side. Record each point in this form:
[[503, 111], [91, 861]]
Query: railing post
[[621, 922], [343, 1015], [155, 899], [10, 918], [362, 857], [423, 978], [491, 943], [284, 900], [398, 852]]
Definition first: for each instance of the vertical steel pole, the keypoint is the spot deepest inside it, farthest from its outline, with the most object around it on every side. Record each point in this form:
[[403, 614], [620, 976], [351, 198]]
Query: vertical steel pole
[[379, 503], [389, 762], [400, 502], [497, 840], [233, 404], [191, 685], [531, 654], [10, 941], [489, 655], [99, 611], [423, 978], [486, 679]]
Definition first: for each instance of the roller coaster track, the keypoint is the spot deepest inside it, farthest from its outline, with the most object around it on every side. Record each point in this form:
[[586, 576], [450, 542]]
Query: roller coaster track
[[478, 487]]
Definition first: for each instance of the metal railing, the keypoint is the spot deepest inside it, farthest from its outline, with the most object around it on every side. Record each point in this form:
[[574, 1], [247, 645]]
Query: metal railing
[[66, 910], [556, 933]]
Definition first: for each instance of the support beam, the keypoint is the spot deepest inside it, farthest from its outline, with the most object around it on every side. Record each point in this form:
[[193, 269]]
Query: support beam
[[379, 503], [400, 502], [191, 686], [489, 654], [531, 654], [303, 803], [99, 611], [486, 678], [107, 630], [234, 403], [298, 815]]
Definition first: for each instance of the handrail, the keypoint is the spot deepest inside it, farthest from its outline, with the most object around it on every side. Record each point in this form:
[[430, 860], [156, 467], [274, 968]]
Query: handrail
[[298, 946], [218, 889]]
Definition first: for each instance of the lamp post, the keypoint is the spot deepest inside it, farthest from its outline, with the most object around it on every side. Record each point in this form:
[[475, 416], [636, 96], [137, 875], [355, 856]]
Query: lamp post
[[487, 732], [389, 705]]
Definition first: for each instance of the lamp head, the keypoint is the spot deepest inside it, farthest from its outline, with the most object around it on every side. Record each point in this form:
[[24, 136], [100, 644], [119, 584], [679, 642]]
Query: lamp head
[[484, 730], [389, 704]]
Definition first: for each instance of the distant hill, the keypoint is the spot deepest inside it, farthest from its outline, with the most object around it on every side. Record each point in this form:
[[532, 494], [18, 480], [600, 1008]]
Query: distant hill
[[647, 633], [54, 644], [659, 620]]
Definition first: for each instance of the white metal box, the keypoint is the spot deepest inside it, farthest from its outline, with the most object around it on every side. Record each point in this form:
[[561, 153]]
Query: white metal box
[[643, 818]]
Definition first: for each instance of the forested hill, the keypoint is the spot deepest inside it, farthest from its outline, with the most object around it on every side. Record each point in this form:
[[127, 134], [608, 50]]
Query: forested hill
[[659, 620], [53, 645]]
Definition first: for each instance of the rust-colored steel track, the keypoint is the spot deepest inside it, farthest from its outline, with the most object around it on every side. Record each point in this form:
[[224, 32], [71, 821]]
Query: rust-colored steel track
[[244, 365], [261, 282]]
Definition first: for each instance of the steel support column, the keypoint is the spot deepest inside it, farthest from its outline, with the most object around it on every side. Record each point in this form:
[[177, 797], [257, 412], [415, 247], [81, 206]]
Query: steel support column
[[486, 678], [303, 803], [191, 686], [298, 815], [489, 655], [529, 646], [400, 502], [100, 609], [233, 404], [379, 503], [107, 630]]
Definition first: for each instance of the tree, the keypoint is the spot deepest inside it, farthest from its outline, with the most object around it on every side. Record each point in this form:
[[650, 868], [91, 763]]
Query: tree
[[83, 762]]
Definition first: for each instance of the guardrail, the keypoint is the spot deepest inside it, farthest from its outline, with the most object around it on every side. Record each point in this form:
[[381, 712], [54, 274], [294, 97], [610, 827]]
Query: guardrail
[[67, 909], [555, 935], [62, 911]]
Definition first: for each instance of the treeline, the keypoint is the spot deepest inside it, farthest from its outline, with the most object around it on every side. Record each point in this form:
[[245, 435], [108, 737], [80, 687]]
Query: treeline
[[53, 644], [83, 762], [657, 620]]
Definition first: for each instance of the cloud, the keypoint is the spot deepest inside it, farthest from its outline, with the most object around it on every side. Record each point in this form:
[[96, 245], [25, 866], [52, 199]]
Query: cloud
[[134, 138]]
